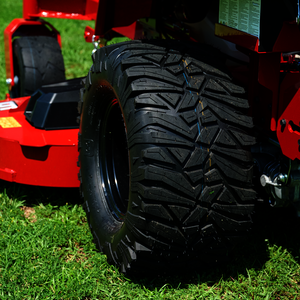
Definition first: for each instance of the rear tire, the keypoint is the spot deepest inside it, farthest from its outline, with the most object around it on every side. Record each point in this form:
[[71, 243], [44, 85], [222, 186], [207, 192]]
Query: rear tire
[[37, 61], [165, 166]]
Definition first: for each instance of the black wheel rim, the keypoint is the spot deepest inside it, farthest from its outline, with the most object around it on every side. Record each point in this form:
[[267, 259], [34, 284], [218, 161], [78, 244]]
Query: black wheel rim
[[114, 160]]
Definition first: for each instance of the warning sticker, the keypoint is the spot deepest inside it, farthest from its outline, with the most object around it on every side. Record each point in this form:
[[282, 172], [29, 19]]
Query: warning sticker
[[242, 15], [9, 122]]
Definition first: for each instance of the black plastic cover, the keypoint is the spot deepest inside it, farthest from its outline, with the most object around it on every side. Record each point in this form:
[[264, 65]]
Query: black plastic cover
[[55, 106]]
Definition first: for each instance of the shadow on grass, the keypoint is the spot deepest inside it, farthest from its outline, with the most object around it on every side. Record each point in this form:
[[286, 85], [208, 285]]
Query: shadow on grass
[[33, 195], [279, 226], [271, 227]]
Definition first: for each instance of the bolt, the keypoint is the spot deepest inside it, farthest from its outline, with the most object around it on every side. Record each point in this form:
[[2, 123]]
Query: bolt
[[9, 80], [282, 122], [282, 177]]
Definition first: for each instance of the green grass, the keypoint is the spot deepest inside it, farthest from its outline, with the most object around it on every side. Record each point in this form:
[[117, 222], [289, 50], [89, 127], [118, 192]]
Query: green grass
[[46, 248], [46, 252]]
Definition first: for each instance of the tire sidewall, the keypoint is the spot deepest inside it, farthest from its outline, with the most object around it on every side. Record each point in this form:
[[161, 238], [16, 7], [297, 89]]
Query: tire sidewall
[[37, 61], [104, 225]]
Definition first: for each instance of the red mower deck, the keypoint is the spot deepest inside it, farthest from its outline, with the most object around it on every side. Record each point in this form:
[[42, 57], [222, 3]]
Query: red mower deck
[[35, 156]]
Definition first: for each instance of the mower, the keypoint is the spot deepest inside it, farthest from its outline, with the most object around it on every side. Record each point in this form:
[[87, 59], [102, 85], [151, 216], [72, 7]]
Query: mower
[[186, 119]]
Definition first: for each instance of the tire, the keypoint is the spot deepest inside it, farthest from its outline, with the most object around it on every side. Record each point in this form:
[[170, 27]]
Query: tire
[[165, 166], [37, 61]]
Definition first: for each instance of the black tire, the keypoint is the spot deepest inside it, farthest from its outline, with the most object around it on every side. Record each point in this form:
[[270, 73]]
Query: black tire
[[37, 61], [165, 166]]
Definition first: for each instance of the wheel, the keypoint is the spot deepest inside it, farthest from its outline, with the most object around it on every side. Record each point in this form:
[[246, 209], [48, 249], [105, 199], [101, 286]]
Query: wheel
[[165, 166], [37, 61]]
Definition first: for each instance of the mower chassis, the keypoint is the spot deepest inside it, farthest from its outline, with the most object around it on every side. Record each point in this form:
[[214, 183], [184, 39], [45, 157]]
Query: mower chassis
[[35, 156]]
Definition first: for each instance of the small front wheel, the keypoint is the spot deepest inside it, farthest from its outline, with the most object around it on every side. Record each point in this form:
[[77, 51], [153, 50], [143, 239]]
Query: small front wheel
[[37, 61]]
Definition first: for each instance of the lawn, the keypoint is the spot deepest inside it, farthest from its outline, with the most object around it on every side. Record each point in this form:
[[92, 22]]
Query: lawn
[[47, 252]]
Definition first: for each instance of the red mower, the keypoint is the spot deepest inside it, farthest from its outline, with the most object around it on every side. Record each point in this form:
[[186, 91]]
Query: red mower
[[188, 116]]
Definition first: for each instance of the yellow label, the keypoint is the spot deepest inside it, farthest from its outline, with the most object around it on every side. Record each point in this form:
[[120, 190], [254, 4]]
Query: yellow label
[[9, 122]]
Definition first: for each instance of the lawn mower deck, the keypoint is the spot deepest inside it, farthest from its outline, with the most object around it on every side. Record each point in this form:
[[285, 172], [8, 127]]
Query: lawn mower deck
[[39, 139]]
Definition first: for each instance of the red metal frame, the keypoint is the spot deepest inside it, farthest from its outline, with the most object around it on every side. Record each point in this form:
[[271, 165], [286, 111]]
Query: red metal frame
[[268, 97], [107, 13], [35, 156], [119, 13], [133, 31], [75, 9], [288, 130], [89, 33]]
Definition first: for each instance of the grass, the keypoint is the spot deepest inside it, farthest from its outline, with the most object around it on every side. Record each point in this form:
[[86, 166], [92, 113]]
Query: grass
[[47, 252]]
